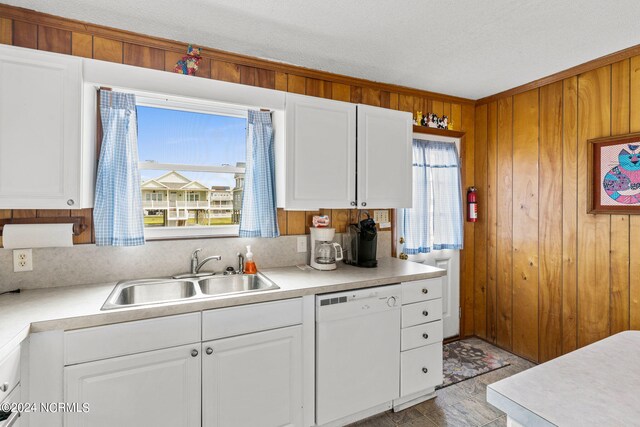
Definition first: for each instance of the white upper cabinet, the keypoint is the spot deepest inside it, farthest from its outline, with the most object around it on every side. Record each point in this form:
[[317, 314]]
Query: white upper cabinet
[[317, 157], [339, 155], [384, 158], [40, 130]]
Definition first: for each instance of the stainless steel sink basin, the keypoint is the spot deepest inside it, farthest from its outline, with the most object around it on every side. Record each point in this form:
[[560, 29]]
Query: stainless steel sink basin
[[150, 291], [133, 293], [222, 285]]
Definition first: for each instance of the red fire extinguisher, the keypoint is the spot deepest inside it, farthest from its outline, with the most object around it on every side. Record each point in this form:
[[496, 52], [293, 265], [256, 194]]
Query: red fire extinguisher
[[472, 204]]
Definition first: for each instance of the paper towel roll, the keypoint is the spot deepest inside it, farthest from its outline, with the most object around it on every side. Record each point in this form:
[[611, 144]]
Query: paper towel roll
[[37, 235]]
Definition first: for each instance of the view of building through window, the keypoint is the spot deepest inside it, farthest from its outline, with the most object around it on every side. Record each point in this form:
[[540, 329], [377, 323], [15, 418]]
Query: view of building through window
[[192, 167]]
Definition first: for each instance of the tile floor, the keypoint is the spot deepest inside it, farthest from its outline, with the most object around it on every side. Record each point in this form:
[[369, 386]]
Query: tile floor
[[462, 404]]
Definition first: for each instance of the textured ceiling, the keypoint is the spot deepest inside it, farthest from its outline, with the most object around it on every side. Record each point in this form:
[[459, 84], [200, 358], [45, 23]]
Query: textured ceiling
[[465, 48]]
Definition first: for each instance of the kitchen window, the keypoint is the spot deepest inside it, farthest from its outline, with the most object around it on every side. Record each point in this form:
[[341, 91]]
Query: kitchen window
[[192, 157]]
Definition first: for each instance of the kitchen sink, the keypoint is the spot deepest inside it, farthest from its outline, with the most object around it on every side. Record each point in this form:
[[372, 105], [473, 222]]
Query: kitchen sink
[[131, 293], [149, 291], [221, 285]]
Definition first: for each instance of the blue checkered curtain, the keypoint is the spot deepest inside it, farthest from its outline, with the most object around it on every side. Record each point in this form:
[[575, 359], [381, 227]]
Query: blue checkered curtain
[[259, 215], [435, 221], [117, 214]]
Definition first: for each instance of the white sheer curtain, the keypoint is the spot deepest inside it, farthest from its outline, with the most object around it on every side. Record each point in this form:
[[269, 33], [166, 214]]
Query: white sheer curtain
[[435, 221]]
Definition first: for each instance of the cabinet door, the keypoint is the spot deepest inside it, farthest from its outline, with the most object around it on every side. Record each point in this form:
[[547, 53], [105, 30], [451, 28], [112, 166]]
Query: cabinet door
[[40, 113], [320, 154], [157, 388], [420, 369], [384, 158], [253, 380]]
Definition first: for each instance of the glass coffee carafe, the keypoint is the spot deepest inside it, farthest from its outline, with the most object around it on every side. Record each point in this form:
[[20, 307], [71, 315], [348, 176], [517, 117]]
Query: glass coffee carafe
[[327, 253]]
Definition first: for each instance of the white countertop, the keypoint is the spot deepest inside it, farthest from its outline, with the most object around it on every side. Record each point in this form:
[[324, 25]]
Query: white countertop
[[74, 307], [597, 385]]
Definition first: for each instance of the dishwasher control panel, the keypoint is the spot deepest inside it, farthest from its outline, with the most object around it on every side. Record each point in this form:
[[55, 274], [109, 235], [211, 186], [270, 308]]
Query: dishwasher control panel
[[359, 301]]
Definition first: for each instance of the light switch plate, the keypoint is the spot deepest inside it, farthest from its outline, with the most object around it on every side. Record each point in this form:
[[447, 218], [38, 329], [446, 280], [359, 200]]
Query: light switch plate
[[302, 243], [381, 216], [22, 260]]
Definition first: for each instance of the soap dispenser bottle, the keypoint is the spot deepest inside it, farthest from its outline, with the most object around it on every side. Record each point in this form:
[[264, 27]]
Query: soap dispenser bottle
[[249, 265]]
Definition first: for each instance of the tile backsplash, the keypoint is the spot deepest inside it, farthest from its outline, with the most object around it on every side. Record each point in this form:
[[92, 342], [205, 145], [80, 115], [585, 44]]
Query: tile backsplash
[[89, 264]]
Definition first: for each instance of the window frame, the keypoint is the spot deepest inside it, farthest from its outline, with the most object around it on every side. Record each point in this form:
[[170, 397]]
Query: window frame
[[153, 100]]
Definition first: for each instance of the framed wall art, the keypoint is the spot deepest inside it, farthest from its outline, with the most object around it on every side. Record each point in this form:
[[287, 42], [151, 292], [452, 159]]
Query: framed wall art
[[614, 175]]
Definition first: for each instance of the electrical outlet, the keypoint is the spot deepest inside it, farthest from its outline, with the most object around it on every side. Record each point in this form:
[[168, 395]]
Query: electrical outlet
[[381, 216], [22, 260], [302, 243]]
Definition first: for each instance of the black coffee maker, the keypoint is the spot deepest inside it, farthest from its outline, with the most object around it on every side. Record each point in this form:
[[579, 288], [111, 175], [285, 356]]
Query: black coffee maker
[[361, 242]]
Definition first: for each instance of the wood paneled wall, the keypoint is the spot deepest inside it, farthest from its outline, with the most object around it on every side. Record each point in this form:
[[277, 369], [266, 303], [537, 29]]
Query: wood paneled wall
[[25, 28], [550, 278]]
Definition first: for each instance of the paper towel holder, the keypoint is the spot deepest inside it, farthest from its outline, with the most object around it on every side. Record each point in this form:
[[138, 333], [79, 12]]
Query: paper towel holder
[[79, 224]]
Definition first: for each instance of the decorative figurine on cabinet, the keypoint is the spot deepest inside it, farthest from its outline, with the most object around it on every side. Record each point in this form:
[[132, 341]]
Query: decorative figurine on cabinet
[[189, 63], [418, 119], [442, 123], [433, 121]]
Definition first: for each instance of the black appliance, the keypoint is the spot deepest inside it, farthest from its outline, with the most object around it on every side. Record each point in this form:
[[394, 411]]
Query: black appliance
[[361, 242]]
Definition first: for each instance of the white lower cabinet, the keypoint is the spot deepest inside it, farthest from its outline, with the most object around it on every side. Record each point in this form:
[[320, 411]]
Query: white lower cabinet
[[253, 380], [237, 366], [157, 388], [420, 369], [421, 342], [15, 417], [10, 387]]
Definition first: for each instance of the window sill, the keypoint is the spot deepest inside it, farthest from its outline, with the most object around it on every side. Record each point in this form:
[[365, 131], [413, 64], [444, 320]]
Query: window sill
[[193, 232]]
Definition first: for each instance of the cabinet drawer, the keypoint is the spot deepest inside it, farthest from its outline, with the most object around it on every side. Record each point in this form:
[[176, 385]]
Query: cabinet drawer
[[417, 336], [420, 369], [421, 312], [227, 322], [9, 373], [84, 345], [421, 290]]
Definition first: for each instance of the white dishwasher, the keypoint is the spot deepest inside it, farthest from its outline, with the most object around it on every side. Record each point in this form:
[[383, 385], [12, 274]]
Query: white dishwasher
[[357, 351]]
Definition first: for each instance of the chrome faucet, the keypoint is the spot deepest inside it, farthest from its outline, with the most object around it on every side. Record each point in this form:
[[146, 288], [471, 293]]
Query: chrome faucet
[[196, 264], [240, 264]]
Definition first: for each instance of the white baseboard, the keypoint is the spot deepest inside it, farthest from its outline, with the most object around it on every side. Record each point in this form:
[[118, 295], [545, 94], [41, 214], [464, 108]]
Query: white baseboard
[[360, 415], [413, 399]]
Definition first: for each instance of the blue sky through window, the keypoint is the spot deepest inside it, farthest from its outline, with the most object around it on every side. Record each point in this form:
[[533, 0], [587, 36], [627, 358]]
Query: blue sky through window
[[174, 136]]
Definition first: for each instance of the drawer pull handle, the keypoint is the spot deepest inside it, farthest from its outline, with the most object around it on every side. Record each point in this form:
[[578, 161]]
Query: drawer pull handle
[[425, 313], [209, 350], [425, 336], [194, 353], [4, 387], [425, 290], [425, 370]]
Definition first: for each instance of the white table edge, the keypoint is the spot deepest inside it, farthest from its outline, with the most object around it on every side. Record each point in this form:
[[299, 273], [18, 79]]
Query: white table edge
[[515, 411]]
